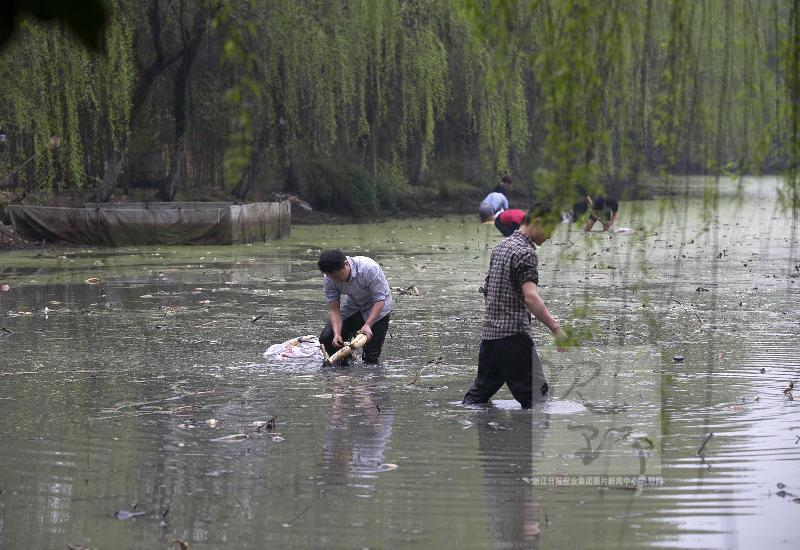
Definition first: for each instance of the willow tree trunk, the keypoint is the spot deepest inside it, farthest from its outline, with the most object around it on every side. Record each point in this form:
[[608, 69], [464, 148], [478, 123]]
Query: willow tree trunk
[[257, 160], [181, 107], [116, 159]]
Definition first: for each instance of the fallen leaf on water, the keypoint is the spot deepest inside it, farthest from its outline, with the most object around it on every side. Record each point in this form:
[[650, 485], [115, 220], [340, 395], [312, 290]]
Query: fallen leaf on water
[[532, 528], [230, 438], [388, 466], [124, 514], [92, 281], [182, 543], [218, 473]]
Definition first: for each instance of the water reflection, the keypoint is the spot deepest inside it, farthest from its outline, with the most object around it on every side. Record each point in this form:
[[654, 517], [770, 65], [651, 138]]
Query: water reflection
[[358, 430], [508, 442], [89, 422]]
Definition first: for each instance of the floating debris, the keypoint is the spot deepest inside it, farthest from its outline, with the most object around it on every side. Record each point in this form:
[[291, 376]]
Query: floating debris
[[701, 289], [211, 422], [678, 358], [124, 514], [182, 543], [705, 442], [763, 370], [188, 425], [4, 288], [92, 281], [230, 438], [269, 424], [408, 291], [218, 473]]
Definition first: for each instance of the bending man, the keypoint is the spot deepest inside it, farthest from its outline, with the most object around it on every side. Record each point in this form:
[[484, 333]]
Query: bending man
[[365, 307]]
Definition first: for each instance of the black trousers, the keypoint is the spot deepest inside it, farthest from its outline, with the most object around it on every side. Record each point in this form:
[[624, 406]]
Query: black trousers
[[350, 325], [513, 361]]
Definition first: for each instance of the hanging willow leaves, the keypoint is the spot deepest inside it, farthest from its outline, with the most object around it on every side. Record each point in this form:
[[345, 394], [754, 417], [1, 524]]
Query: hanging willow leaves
[[352, 103]]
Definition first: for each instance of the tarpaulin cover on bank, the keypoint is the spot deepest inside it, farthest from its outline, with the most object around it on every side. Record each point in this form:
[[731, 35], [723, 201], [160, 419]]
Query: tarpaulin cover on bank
[[155, 223]]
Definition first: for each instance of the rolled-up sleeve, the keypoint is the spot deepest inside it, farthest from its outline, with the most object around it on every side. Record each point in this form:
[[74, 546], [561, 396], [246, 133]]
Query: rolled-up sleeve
[[378, 285], [526, 269], [331, 292]]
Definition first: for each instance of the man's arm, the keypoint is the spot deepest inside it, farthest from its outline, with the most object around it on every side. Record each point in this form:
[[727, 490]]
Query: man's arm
[[536, 306], [372, 318], [335, 316], [610, 222]]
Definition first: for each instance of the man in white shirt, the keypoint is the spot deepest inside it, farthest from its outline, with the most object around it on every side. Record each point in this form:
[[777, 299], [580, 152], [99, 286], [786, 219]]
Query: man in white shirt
[[366, 304]]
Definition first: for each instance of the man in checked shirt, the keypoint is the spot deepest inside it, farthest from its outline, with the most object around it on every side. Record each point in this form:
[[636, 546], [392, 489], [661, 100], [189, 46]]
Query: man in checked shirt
[[507, 353]]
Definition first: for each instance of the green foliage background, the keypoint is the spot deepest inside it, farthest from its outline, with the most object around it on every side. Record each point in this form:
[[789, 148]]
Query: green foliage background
[[366, 104]]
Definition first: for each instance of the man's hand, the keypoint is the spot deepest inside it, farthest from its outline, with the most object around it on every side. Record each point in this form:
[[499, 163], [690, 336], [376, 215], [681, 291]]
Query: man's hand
[[562, 340], [367, 331], [337, 341]]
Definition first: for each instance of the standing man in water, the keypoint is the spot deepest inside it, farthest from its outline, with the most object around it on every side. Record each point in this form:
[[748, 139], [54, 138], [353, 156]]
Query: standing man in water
[[365, 307], [507, 354]]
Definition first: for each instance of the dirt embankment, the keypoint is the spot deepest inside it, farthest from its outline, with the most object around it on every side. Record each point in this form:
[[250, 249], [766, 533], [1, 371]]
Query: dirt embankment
[[11, 240]]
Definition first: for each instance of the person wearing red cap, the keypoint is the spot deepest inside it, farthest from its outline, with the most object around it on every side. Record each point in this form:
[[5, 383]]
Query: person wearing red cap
[[509, 221]]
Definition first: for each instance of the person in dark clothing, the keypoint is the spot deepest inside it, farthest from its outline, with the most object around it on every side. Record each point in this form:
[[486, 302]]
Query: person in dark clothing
[[603, 210], [507, 354], [503, 186], [365, 307], [509, 221]]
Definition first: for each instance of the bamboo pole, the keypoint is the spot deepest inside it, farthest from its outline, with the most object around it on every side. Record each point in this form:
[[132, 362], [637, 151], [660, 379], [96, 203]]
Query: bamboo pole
[[357, 342]]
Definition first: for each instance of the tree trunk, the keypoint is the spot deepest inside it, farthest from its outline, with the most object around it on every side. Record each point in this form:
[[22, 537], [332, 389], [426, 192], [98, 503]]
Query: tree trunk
[[112, 170], [116, 159], [188, 55], [257, 160]]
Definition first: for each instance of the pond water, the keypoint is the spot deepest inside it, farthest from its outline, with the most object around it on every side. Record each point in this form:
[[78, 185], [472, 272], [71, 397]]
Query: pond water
[[106, 390]]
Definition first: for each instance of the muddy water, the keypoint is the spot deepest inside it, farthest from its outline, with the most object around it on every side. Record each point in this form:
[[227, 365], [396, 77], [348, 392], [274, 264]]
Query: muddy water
[[105, 390]]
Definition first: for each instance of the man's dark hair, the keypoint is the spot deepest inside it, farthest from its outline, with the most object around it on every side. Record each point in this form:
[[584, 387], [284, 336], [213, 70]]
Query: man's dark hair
[[331, 261], [506, 179], [540, 209]]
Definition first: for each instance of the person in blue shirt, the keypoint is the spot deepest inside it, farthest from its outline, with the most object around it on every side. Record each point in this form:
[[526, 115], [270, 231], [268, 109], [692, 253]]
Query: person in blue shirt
[[495, 201], [359, 300]]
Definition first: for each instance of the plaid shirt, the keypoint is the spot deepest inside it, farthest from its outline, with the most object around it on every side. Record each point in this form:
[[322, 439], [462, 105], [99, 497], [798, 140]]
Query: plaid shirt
[[513, 263]]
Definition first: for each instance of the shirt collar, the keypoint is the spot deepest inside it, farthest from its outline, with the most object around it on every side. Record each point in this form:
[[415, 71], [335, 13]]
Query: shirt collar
[[527, 239], [353, 269]]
